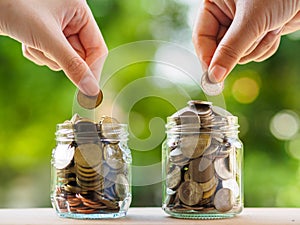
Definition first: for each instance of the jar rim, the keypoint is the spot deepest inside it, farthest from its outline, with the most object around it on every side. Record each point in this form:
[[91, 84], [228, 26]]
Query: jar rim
[[193, 124], [108, 132]]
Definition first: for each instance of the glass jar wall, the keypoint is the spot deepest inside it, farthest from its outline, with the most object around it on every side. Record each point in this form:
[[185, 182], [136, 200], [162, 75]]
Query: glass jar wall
[[202, 163], [91, 172]]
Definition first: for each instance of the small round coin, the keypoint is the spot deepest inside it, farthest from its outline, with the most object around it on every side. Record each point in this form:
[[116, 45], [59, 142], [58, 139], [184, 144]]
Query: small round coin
[[122, 186], [174, 178], [89, 102], [190, 193], [222, 168], [224, 200], [201, 170], [193, 146], [88, 155], [209, 88]]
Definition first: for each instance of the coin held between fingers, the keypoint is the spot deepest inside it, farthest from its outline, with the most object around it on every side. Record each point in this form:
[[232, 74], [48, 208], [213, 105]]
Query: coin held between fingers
[[209, 87], [89, 102]]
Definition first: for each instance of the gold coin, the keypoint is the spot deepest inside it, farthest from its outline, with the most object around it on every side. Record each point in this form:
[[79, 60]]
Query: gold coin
[[224, 200], [210, 192], [209, 184], [201, 170], [88, 155], [193, 146], [190, 193], [88, 171], [89, 102]]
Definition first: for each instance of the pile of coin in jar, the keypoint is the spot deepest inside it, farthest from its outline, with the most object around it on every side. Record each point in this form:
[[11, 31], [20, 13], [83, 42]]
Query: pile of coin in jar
[[202, 172], [92, 172]]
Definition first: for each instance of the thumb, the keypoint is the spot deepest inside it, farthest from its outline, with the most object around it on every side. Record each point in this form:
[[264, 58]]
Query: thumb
[[74, 66], [238, 38]]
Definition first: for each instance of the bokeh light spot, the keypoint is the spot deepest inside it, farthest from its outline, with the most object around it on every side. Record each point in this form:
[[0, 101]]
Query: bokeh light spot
[[293, 148], [245, 90], [284, 125]]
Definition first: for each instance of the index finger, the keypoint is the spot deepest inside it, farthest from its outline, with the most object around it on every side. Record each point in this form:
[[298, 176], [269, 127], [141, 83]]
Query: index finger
[[208, 25], [93, 42]]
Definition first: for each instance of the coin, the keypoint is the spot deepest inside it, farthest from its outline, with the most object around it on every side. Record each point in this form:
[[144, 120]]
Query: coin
[[110, 129], [210, 192], [190, 193], [206, 186], [122, 186], [186, 116], [201, 170], [89, 102], [194, 145], [174, 177], [113, 156], [222, 168], [232, 185], [224, 200], [88, 155], [202, 108], [63, 156], [178, 158], [210, 88], [213, 147]]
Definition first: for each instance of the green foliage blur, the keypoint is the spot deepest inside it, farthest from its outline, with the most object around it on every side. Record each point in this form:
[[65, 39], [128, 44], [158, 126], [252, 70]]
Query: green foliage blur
[[265, 96]]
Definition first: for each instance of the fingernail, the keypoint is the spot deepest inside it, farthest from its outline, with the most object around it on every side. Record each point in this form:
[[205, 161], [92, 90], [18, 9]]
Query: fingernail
[[89, 85], [217, 74]]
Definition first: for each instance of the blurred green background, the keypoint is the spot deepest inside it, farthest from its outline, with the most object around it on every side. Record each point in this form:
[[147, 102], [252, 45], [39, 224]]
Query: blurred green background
[[265, 97]]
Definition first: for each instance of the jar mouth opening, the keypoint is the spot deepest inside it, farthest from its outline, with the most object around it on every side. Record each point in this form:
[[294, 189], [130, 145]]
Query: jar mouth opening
[[104, 132], [195, 124]]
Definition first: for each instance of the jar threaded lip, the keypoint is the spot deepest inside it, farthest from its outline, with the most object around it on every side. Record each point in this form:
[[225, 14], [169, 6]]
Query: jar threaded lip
[[107, 132], [192, 124]]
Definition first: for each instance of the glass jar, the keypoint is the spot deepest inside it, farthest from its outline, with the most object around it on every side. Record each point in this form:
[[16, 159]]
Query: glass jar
[[202, 163], [91, 169]]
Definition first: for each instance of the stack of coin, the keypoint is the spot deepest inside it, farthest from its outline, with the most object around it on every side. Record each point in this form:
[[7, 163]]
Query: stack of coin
[[202, 171], [92, 172]]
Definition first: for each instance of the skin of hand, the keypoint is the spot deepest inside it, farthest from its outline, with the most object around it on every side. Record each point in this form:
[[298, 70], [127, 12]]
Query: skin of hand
[[61, 34], [228, 32]]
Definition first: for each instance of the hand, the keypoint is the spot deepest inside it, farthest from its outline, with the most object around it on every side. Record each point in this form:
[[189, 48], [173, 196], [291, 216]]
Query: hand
[[228, 32], [61, 34]]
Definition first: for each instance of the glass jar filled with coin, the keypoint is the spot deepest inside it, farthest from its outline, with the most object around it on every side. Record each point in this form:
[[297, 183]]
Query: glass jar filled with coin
[[202, 163], [91, 169]]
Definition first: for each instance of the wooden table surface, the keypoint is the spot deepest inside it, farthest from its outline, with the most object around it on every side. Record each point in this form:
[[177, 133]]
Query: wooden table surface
[[250, 216]]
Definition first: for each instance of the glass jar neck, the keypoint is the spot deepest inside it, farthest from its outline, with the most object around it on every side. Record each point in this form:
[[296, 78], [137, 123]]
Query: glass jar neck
[[224, 125], [90, 132]]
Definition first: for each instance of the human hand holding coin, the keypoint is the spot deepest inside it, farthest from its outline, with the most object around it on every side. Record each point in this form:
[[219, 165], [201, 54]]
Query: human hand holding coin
[[232, 32]]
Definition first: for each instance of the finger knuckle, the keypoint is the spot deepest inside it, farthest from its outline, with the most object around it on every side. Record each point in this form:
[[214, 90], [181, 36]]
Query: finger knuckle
[[75, 68], [230, 52]]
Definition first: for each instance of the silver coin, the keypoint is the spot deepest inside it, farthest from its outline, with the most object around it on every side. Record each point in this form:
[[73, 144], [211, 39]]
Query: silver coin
[[224, 200], [222, 168], [63, 156], [210, 88]]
